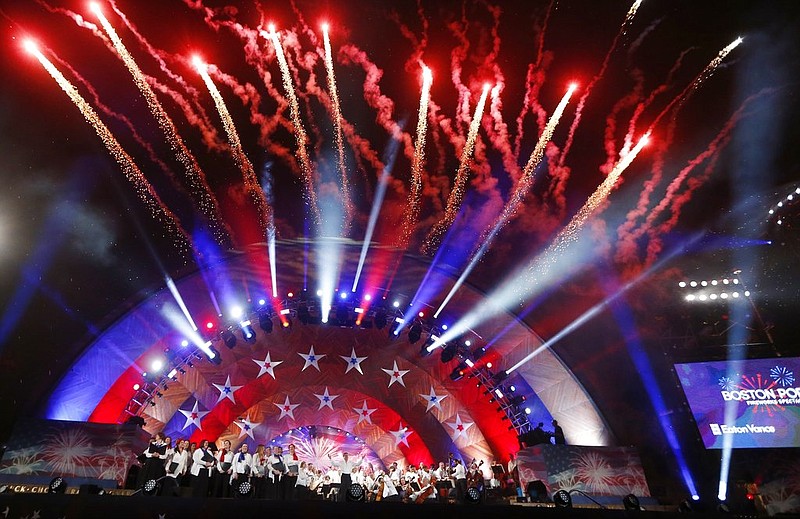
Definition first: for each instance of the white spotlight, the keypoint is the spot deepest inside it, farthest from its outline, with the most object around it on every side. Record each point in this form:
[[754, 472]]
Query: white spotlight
[[682, 284], [702, 297], [262, 302], [712, 297], [693, 284], [184, 343], [735, 295], [714, 282], [367, 297], [319, 293], [236, 312], [396, 304], [726, 281], [157, 365], [736, 281], [724, 295], [704, 283], [343, 295], [444, 327], [527, 410], [690, 297], [746, 293], [468, 343]]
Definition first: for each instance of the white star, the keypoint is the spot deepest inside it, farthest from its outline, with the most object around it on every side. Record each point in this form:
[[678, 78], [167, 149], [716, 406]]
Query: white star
[[246, 427], [287, 408], [227, 390], [311, 359], [326, 399], [353, 362], [433, 400], [401, 435], [364, 413], [459, 427], [193, 417], [267, 365], [396, 375]]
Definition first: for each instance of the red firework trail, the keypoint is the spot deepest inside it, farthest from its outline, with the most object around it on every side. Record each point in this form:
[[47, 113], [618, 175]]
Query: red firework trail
[[192, 108], [561, 169], [195, 176], [534, 79], [384, 106], [671, 197]]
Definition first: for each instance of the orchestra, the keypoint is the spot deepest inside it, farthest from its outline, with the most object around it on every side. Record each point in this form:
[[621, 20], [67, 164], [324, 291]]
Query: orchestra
[[276, 475]]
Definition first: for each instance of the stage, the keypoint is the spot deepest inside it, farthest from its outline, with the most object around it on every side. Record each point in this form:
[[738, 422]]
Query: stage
[[47, 506]]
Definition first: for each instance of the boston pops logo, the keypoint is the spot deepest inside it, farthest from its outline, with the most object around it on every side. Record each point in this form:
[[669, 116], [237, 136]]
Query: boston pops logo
[[768, 394]]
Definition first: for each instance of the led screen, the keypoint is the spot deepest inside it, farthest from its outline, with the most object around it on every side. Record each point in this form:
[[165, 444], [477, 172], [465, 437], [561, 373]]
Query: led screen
[[763, 394]]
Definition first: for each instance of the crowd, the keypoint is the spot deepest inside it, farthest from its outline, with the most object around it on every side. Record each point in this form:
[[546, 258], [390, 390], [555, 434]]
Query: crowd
[[271, 473]]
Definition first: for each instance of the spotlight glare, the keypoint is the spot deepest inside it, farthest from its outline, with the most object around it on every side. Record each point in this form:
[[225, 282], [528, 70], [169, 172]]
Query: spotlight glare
[[682, 284], [236, 312], [444, 327], [198, 63], [157, 365], [396, 304], [746, 293], [695, 497], [704, 283], [724, 295], [467, 343], [421, 314], [343, 295], [489, 365], [262, 302], [703, 297], [325, 26], [693, 284], [714, 282], [184, 343], [690, 297], [319, 293], [367, 297], [735, 294], [30, 46], [136, 387], [527, 410], [209, 325], [713, 297], [271, 27], [95, 8], [290, 294], [736, 281]]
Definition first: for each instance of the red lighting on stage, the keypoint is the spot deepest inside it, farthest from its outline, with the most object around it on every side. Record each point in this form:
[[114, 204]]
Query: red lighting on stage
[[325, 26], [285, 324], [489, 365], [421, 314], [209, 325], [136, 387]]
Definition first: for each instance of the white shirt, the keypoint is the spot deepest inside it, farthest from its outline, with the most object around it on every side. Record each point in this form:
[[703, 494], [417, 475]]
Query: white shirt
[[346, 466], [182, 459], [303, 478], [197, 461], [274, 464], [227, 458], [459, 472], [389, 489], [242, 462], [258, 465], [292, 465]]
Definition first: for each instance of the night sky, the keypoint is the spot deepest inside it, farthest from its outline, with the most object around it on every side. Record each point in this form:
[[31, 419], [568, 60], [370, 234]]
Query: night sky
[[75, 239]]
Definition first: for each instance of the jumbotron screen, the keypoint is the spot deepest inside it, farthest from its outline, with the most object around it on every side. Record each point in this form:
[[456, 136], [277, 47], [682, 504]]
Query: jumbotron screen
[[764, 393]]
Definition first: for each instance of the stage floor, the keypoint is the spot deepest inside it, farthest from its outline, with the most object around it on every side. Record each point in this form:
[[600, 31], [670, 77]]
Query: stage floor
[[47, 506]]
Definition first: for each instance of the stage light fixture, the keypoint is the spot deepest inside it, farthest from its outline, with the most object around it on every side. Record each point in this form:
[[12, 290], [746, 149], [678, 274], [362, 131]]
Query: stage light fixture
[[157, 365], [57, 486], [303, 315], [217, 358], [228, 338], [537, 491], [237, 312], [448, 353], [631, 502], [415, 333], [473, 496], [457, 374], [265, 321], [287, 324], [562, 499], [184, 343], [244, 490], [477, 353], [355, 493], [248, 334], [528, 410], [342, 313], [150, 487], [500, 376], [396, 304]]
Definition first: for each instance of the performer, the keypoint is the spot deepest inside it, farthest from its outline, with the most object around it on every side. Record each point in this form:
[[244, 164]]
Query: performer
[[558, 434], [154, 457], [292, 463], [222, 486], [202, 463], [443, 484], [302, 481], [513, 474], [345, 467], [278, 470], [460, 477], [242, 463], [258, 471], [177, 462]]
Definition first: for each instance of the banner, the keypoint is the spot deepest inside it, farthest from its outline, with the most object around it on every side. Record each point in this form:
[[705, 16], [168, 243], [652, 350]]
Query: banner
[[763, 396]]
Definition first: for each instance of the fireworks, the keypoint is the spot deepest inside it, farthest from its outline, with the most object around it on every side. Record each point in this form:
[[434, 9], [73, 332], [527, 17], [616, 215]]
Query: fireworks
[[195, 176], [413, 204], [299, 131], [460, 183], [250, 178], [143, 188], [337, 128]]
